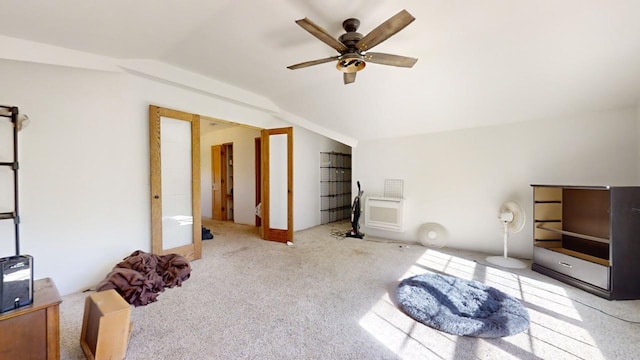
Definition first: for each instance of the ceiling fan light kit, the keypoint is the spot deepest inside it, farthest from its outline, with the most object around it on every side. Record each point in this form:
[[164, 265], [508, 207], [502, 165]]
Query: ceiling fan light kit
[[353, 46], [351, 63]]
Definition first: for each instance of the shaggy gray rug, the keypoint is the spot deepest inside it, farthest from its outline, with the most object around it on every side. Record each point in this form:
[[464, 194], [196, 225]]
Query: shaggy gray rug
[[461, 307]]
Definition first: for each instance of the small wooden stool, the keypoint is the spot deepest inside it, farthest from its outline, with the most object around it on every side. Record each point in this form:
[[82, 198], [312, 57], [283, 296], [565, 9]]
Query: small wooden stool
[[106, 326]]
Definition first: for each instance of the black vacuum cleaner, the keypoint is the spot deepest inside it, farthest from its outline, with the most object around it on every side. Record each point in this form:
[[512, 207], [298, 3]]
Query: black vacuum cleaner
[[355, 216]]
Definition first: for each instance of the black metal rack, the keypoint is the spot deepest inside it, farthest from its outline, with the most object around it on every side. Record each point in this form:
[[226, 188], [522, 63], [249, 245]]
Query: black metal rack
[[12, 112], [335, 186]]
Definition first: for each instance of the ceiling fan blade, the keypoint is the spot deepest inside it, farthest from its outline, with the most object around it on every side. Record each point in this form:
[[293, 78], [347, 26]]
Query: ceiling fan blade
[[313, 62], [389, 59], [385, 30], [349, 77], [321, 34]]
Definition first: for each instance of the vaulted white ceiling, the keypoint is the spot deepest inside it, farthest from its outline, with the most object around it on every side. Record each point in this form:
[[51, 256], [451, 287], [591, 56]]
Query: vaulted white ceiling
[[480, 62]]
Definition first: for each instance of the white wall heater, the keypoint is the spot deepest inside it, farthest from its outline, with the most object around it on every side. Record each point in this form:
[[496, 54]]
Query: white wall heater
[[384, 213]]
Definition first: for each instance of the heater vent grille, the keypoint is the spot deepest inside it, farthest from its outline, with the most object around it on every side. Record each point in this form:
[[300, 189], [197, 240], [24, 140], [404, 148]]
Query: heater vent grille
[[384, 213]]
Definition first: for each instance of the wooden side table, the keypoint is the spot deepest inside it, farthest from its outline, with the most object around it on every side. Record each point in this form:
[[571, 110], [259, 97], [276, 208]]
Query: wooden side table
[[33, 331]]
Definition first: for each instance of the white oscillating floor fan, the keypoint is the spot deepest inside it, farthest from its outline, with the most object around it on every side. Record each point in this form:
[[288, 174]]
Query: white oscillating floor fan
[[512, 216]]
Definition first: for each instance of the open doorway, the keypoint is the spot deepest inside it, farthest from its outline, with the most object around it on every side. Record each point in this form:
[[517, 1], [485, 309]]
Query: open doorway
[[234, 175], [228, 171]]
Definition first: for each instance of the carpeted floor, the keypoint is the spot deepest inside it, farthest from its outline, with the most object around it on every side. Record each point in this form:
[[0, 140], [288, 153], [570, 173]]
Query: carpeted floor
[[334, 298]]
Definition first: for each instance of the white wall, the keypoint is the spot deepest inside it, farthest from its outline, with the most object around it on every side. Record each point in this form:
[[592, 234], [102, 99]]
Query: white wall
[[459, 179], [244, 192], [306, 179], [84, 183], [84, 164]]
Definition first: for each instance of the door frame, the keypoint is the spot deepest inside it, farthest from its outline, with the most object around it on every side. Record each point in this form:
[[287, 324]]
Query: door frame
[[191, 251]]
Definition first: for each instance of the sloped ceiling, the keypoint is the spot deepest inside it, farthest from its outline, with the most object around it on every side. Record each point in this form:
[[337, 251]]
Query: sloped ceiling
[[480, 62]]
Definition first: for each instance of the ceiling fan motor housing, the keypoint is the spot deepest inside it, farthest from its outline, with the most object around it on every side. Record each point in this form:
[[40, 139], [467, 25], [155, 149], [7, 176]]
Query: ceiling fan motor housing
[[351, 37], [351, 60]]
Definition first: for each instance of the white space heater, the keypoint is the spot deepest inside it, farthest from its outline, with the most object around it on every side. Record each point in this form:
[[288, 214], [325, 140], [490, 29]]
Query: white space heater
[[384, 213]]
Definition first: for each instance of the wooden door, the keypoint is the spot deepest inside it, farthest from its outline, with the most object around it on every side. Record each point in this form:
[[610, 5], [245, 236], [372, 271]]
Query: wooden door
[[227, 181], [216, 182], [277, 184], [258, 178], [174, 147]]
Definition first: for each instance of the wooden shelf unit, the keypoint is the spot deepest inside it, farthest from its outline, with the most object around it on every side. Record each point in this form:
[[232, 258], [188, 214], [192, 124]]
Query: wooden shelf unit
[[588, 236], [581, 236]]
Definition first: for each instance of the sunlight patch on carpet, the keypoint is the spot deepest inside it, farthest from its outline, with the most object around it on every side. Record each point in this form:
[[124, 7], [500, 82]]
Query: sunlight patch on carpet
[[549, 305], [449, 264], [400, 334]]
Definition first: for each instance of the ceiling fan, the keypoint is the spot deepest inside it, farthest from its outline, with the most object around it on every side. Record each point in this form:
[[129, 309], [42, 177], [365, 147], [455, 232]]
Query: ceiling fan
[[354, 47]]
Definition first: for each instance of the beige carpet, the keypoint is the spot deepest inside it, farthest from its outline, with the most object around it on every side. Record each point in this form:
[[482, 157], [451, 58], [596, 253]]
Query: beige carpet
[[328, 297]]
